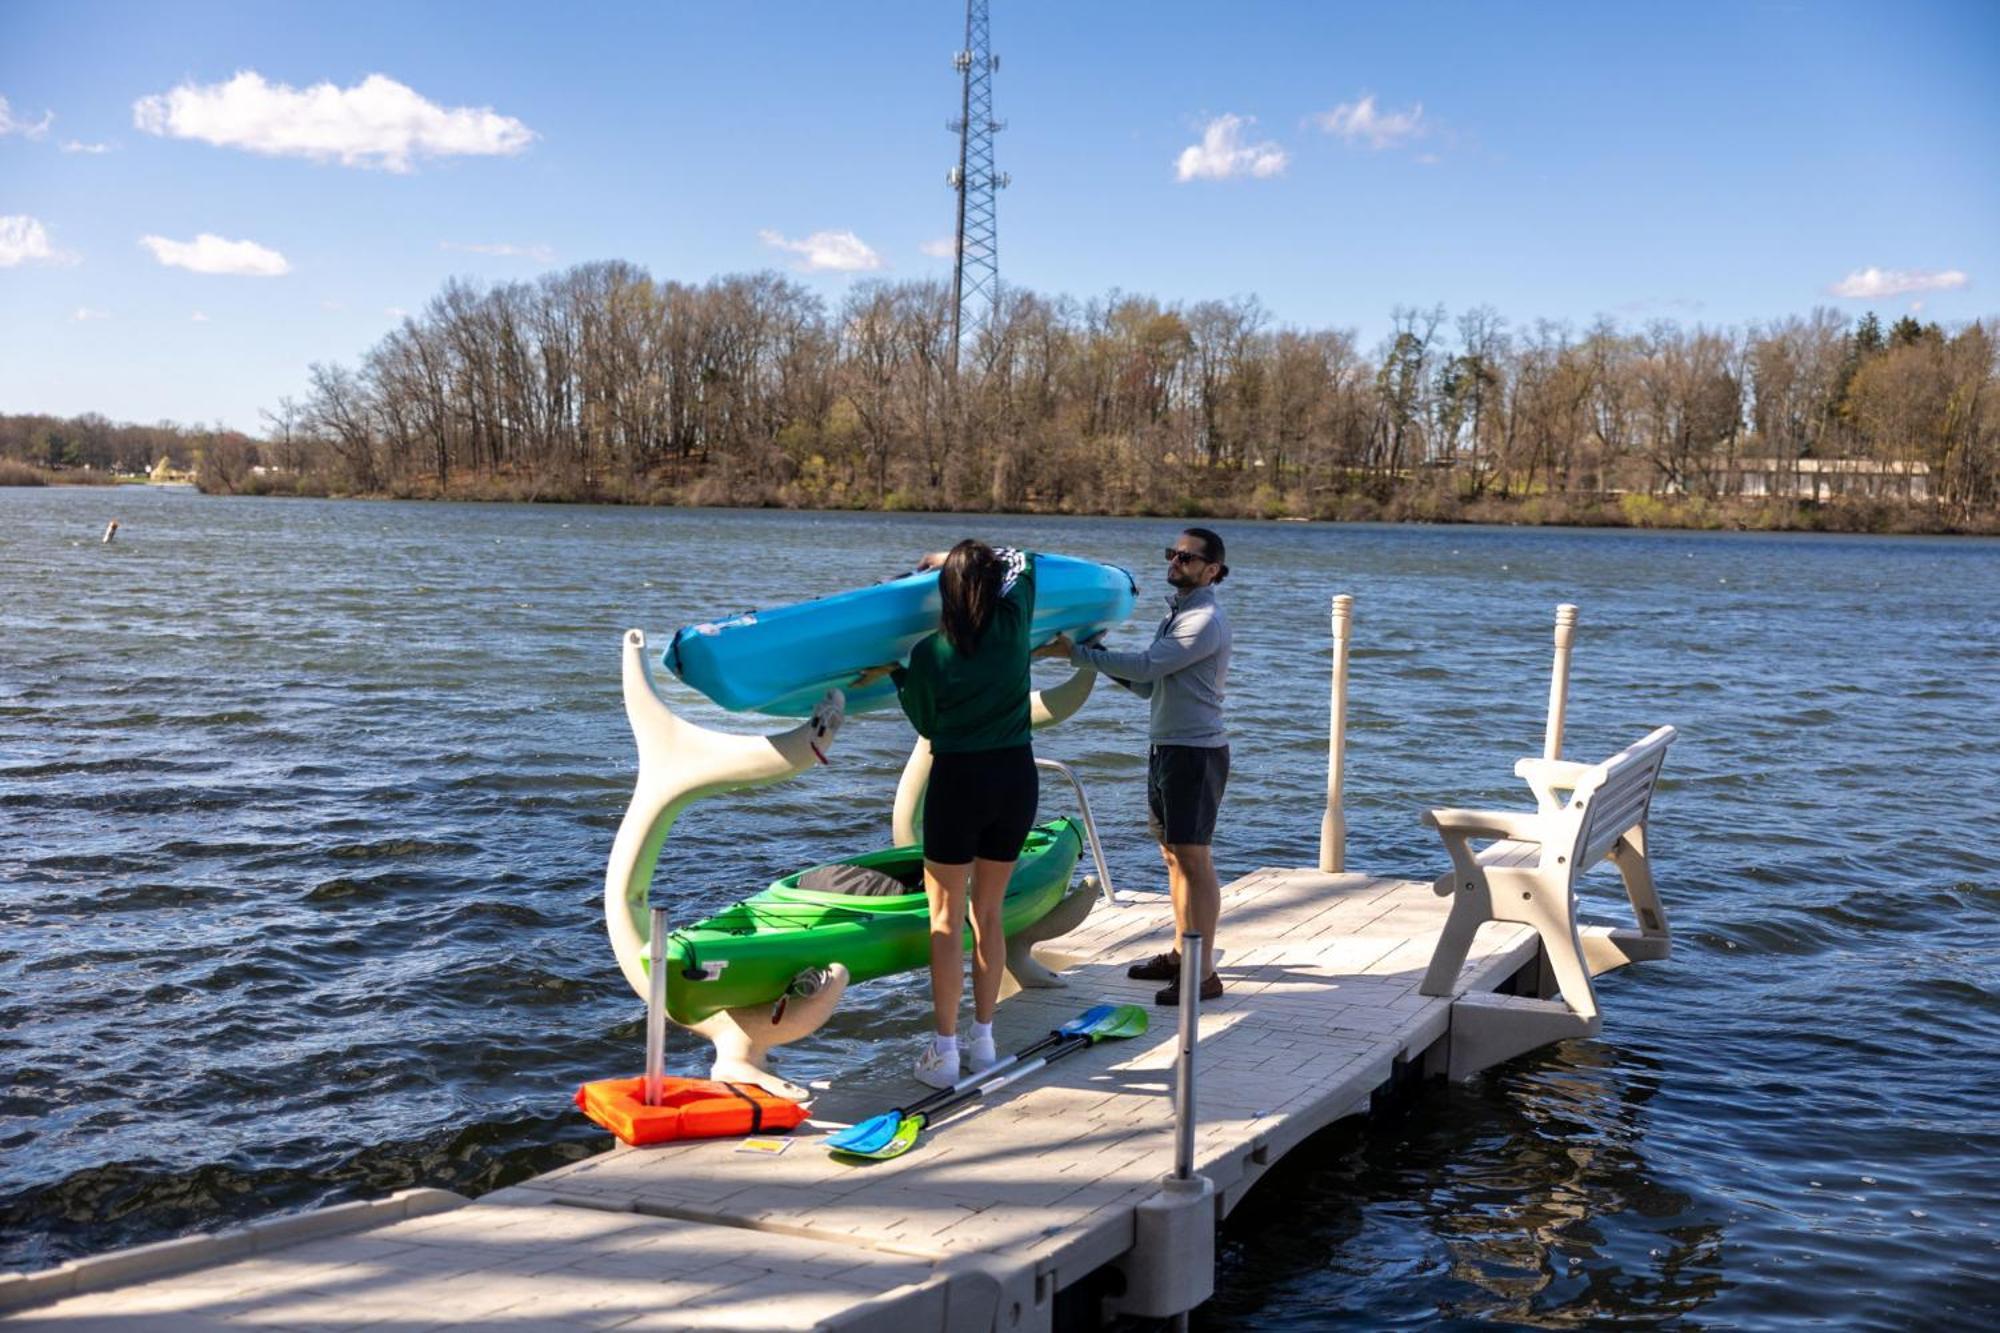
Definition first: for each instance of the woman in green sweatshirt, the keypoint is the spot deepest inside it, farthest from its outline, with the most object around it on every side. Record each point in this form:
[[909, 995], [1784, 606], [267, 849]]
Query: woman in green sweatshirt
[[966, 689]]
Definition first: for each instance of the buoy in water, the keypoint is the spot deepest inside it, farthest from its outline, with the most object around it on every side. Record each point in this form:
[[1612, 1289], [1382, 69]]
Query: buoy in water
[[110, 531]]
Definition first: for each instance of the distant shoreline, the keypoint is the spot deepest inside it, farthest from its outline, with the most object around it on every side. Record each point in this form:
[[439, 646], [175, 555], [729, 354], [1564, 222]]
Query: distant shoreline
[[1632, 510], [1637, 511], [24, 474]]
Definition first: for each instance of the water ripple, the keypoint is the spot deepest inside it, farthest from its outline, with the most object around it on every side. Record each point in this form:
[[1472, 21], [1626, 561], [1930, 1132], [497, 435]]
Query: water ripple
[[300, 900]]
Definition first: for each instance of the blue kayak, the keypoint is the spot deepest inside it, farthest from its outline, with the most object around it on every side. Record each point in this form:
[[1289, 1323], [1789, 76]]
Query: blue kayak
[[782, 660]]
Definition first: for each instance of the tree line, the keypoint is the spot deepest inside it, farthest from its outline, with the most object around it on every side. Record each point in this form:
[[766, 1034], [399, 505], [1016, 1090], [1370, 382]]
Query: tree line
[[93, 443], [601, 382]]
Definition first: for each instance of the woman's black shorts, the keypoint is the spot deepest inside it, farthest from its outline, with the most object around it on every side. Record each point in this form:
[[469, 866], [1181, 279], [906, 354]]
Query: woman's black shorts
[[980, 805]]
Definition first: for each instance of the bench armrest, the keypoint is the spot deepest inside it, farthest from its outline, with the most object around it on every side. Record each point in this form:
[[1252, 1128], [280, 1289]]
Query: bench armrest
[[1546, 777], [1555, 772], [1520, 824]]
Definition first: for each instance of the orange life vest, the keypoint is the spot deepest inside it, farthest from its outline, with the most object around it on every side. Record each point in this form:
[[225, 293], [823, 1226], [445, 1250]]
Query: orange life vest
[[690, 1108]]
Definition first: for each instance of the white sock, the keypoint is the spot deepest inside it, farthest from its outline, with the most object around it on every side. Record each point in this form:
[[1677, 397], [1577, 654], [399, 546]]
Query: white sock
[[946, 1047], [981, 1032]]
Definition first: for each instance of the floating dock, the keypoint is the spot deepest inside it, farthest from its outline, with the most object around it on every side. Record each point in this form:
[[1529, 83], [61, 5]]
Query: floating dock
[[1045, 1196], [1061, 1201]]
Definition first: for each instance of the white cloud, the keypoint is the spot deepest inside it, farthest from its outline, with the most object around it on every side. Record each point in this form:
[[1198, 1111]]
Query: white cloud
[[209, 253], [198, 318], [1360, 124], [376, 123], [838, 251], [75, 146], [541, 254], [23, 240], [1865, 283], [84, 314], [395, 312], [1222, 153], [942, 248], [27, 129]]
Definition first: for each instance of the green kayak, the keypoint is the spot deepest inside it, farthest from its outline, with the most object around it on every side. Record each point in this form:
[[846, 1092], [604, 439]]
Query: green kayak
[[868, 913]]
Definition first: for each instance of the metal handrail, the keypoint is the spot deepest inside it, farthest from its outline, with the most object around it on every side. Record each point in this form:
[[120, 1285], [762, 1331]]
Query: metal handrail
[[1089, 826]]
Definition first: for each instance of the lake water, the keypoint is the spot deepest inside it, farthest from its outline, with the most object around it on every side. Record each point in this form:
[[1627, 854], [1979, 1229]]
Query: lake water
[[304, 808]]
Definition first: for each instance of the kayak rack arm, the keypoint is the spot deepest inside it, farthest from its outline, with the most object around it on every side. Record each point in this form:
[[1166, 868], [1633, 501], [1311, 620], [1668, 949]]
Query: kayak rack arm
[[679, 764], [1089, 825]]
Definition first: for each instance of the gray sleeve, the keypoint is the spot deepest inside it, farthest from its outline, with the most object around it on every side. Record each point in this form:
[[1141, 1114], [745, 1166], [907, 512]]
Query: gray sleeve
[[1142, 688], [1189, 639]]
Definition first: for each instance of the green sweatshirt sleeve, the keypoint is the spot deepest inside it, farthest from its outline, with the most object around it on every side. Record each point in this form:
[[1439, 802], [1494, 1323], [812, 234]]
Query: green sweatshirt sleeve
[[916, 690]]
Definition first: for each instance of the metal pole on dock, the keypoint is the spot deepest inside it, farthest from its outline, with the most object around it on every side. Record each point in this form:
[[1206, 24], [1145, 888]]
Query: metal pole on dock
[[1191, 976], [1552, 740], [656, 1008], [1333, 825]]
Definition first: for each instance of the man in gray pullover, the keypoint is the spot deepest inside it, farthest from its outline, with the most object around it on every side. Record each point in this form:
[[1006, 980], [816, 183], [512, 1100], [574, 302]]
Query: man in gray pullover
[[1183, 673]]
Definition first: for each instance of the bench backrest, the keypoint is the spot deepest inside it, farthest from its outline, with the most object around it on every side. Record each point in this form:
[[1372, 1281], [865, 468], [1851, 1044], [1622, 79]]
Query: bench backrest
[[1616, 796]]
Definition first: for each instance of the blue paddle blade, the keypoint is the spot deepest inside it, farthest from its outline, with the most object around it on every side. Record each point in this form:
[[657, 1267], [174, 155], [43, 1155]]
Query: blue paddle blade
[[904, 1139], [871, 1135], [1086, 1020]]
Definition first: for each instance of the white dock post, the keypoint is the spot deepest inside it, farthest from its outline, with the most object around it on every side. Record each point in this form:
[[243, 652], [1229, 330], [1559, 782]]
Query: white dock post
[[1552, 740], [1333, 824], [656, 1009]]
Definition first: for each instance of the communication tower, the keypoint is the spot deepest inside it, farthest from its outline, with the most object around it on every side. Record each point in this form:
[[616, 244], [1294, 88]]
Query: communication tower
[[976, 274]]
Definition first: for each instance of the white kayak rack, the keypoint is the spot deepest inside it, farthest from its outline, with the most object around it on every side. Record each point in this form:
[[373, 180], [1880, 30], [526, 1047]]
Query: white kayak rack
[[681, 762]]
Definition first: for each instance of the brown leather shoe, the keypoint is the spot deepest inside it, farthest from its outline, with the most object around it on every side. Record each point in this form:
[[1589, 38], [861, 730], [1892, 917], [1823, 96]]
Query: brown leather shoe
[[1160, 967], [1211, 989]]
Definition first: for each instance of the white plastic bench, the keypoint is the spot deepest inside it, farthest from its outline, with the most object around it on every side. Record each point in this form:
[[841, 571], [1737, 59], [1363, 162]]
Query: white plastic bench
[[1527, 874]]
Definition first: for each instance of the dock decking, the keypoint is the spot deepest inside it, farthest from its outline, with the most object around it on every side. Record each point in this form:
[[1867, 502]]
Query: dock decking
[[996, 1211]]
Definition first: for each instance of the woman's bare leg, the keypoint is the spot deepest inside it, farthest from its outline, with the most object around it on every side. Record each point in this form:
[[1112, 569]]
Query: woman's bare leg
[[945, 886], [989, 936]]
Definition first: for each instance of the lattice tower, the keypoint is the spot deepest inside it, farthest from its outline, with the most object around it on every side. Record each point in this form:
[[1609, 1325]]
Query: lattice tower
[[976, 274]]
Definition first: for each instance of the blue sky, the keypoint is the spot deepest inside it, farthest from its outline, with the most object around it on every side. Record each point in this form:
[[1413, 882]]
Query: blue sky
[[1719, 163]]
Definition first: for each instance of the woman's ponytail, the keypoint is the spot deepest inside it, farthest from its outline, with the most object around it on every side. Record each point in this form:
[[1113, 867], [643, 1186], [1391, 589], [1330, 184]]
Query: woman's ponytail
[[969, 588]]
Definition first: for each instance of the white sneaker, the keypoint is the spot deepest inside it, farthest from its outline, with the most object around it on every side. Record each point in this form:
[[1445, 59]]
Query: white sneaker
[[982, 1055], [935, 1069]]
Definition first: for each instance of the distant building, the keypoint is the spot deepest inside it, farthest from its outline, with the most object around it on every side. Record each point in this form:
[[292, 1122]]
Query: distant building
[[165, 471], [1828, 478]]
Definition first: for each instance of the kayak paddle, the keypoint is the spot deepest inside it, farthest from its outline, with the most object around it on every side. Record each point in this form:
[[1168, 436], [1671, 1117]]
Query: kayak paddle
[[874, 1133], [895, 1132]]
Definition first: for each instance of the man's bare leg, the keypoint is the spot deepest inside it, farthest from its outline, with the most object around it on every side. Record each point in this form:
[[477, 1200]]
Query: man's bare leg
[[1197, 895]]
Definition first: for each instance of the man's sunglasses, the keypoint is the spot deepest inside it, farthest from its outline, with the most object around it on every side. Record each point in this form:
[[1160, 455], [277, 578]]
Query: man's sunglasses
[[1181, 557]]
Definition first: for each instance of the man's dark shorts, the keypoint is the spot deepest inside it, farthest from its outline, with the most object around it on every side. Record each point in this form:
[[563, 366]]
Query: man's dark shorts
[[1184, 786]]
